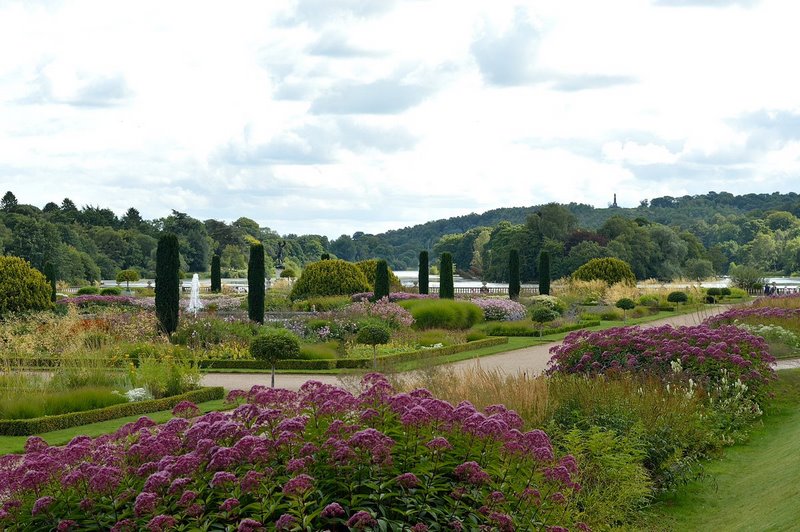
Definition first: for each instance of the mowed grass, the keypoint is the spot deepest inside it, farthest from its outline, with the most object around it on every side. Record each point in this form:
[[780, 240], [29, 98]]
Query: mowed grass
[[755, 486], [16, 444]]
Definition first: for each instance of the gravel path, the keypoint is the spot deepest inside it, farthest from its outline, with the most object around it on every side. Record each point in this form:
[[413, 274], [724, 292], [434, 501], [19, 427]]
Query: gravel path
[[531, 360]]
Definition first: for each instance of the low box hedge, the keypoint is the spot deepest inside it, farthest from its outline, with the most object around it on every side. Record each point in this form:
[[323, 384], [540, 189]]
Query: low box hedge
[[515, 330], [39, 425], [350, 363]]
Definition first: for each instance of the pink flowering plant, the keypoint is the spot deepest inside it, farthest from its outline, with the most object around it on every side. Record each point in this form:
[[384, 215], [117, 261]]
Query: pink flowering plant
[[318, 459], [708, 357], [786, 317], [390, 313], [500, 309]]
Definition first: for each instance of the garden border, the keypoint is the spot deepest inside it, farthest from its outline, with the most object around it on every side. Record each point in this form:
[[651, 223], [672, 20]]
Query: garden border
[[37, 425]]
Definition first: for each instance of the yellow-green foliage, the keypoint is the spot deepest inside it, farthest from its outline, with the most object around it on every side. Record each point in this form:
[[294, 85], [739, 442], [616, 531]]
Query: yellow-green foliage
[[368, 268], [606, 269], [443, 313], [22, 287], [330, 278]]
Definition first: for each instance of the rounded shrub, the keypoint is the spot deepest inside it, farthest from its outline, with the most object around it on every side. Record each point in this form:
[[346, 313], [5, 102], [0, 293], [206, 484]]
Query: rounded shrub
[[370, 268], [22, 287], [373, 334], [625, 304], [274, 345], [607, 269], [677, 297], [110, 291], [88, 291], [442, 313], [330, 278]]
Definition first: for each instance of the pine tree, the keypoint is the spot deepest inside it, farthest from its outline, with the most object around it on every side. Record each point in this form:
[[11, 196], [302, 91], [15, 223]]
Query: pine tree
[[381, 280], [423, 272], [255, 283], [446, 289], [513, 274], [167, 282], [544, 273], [216, 274]]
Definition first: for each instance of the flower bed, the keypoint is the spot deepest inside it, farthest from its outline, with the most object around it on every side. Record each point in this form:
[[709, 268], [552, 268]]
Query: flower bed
[[500, 309], [25, 427], [318, 459], [786, 317], [706, 355]]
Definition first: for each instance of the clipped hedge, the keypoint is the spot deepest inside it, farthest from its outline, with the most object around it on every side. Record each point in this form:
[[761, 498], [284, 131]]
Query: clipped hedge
[[608, 269], [329, 278], [509, 329], [442, 313], [369, 269], [351, 363], [39, 425]]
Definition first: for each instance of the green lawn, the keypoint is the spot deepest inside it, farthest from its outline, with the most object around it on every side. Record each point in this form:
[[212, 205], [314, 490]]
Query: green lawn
[[15, 444], [755, 486]]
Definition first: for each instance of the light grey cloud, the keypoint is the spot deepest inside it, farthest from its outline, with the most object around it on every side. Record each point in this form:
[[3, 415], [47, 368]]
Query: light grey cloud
[[769, 129], [574, 83], [336, 44], [91, 91], [508, 58], [321, 12], [316, 143], [386, 96], [705, 3]]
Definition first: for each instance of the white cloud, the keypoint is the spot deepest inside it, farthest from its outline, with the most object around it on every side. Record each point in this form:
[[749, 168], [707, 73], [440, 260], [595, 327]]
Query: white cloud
[[334, 117]]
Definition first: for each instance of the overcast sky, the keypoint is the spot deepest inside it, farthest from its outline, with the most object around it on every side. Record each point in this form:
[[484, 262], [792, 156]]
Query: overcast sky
[[336, 116]]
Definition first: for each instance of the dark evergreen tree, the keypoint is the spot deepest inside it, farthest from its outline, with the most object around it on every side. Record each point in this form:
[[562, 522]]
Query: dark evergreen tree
[[255, 283], [326, 256], [216, 274], [381, 279], [423, 272], [50, 274], [544, 273], [513, 274], [446, 289], [167, 282]]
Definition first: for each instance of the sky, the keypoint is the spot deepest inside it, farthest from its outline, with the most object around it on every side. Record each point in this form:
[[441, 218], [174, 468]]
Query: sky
[[336, 116]]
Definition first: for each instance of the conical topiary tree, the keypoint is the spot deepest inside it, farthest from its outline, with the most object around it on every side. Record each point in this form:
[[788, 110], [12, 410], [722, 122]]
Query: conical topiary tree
[[50, 274], [255, 283], [167, 282], [423, 272], [513, 274], [544, 273], [381, 280], [216, 274], [446, 288]]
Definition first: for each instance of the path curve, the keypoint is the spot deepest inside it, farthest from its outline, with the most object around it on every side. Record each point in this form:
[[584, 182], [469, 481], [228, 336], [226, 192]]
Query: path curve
[[532, 360]]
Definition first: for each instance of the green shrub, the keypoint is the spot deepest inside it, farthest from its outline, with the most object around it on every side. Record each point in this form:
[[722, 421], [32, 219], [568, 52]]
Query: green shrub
[[369, 268], [513, 275], [423, 272], [126, 276], [255, 283], [442, 314], [544, 273], [273, 345], [474, 336], [110, 291], [330, 278], [381, 280], [321, 304], [321, 351], [277, 301], [625, 304], [612, 315], [373, 334], [677, 297], [434, 337], [167, 282], [747, 277], [88, 291], [30, 405], [51, 275], [206, 332], [166, 376], [22, 287], [649, 300], [608, 269], [216, 274], [446, 288]]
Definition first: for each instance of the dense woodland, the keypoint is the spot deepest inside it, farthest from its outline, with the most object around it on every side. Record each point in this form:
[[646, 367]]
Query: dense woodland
[[664, 238]]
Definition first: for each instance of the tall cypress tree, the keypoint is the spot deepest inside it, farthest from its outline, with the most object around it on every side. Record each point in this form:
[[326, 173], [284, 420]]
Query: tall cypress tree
[[544, 273], [216, 274], [255, 283], [167, 282], [381, 280], [513, 274], [446, 289], [50, 274], [423, 272]]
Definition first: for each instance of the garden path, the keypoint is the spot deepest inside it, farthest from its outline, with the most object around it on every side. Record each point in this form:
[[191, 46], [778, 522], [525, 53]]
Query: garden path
[[531, 360]]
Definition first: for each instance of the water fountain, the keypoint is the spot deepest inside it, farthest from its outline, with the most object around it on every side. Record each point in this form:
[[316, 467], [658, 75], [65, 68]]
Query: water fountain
[[194, 297]]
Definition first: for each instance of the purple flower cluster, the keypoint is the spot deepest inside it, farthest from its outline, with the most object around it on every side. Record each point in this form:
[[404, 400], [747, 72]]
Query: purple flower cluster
[[89, 299], [393, 296], [757, 314], [282, 458], [701, 353], [383, 309], [500, 309]]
